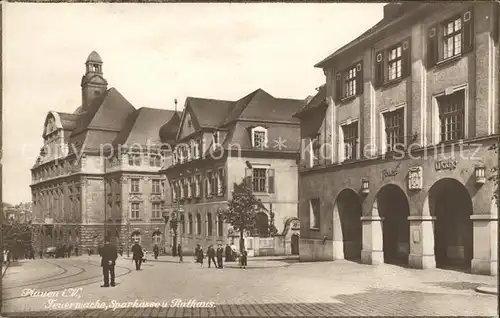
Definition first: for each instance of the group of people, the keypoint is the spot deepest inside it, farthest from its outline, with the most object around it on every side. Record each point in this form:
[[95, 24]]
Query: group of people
[[219, 253]]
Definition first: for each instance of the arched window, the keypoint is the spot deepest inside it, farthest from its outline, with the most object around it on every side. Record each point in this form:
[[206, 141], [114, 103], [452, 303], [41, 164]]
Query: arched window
[[209, 224], [220, 226], [190, 223], [136, 237], [183, 224], [198, 224], [156, 238]]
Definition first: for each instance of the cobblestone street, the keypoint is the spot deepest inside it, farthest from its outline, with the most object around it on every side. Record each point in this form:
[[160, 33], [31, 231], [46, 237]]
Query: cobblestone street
[[266, 288]]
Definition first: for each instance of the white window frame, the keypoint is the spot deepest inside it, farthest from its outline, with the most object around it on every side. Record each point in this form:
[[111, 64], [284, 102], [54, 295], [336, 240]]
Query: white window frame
[[158, 216], [341, 153], [383, 135], [153, 183], [435, 124], [157, 238], [266, 187], [259, 129], [132, 181], [132, 204], [220, 172]]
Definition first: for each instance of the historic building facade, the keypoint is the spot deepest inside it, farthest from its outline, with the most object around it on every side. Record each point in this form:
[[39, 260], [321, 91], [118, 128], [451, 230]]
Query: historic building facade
[[220, 143], [98, 171], [395, 156]]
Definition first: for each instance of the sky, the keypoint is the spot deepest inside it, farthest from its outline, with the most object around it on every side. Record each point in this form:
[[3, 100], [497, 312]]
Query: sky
[[154, 53]]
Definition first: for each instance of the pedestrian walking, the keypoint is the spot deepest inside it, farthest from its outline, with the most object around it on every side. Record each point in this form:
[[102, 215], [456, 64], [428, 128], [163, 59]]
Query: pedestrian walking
[[109, 254], [76, 251], [156, 251], [137, 255], [211, 256], [70, 250], [219, 253], [120, 250], [179, 252], [196, 251], [200, 256], [243, 258]]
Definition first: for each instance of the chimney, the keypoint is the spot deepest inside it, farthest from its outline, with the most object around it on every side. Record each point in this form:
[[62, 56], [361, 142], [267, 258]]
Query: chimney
[[392, 11]]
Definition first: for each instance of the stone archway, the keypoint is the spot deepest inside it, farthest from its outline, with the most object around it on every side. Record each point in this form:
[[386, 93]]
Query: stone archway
[[394, 210], [451, 205], [347, 229]]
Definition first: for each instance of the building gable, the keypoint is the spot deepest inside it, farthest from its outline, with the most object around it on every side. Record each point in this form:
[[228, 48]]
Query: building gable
[[189, 123]]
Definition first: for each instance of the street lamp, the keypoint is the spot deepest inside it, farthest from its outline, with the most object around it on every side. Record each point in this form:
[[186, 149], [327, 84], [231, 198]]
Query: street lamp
[[128, 238]]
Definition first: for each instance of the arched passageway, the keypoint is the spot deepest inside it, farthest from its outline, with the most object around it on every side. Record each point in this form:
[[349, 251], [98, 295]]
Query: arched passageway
[[347, 210], [394, 209], [451, 205]]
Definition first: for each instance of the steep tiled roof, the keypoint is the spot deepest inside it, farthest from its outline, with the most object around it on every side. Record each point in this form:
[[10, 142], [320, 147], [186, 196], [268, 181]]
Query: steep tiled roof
[[68, 121], [109, 111], [317, 101], [209, 113], [143, 125], [260, 105]]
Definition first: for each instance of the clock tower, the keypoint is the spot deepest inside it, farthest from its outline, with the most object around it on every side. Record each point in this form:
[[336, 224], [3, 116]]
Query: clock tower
[[93, 83]]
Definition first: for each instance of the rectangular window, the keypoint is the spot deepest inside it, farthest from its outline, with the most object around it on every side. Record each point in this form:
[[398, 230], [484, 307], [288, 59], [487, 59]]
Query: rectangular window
[[452, 37], [134, 210], [155, 160], [350, 82], [314, 213], [394, 63], [196, 150], [198, 186], [192, 185], [350, 141], [259, 138], [394, 129], [134, 159], [259, 179], [209, 184], [134, 185], [156, 211], [156, 186], [451, 116], [185, 188], [220, 182]]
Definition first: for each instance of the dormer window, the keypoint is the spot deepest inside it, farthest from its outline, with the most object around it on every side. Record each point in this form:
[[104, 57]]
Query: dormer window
[[259, 137]]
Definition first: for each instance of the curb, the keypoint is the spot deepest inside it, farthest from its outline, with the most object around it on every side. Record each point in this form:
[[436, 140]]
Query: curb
[[491, 290]]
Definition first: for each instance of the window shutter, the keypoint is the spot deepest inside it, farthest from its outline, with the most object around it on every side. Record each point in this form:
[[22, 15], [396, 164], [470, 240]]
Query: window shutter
[[248, 177], [338, 88], [432, 46], [406, 58], [270, 176], [379, 69], [359, 78], [468, 31]]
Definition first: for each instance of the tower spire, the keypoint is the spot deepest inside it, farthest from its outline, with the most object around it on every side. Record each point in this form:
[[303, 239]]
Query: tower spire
[[175, 102]]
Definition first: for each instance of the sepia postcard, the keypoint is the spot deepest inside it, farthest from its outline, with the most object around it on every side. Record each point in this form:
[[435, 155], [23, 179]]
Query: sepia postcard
[[250, 159]]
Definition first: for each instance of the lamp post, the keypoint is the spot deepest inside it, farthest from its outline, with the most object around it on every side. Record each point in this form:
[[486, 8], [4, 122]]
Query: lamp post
[[128, 237]]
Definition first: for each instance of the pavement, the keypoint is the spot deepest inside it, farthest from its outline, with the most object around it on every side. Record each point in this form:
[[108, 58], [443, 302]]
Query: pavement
[[340, 288]]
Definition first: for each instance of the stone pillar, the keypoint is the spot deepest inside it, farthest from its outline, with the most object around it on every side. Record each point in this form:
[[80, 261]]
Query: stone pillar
[[485, 244], [421, 242], [338, 242], [373, 248]]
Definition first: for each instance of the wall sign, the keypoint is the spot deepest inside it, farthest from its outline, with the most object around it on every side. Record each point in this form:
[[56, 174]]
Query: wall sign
[[415, 181], [446, 164], [389, 172]]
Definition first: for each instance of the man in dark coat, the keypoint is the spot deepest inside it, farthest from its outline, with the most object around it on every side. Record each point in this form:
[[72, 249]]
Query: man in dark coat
[[137, 255], [179, 252], [109, 255], [211, 256], [196, 252], [156, 251], [220, 252]]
